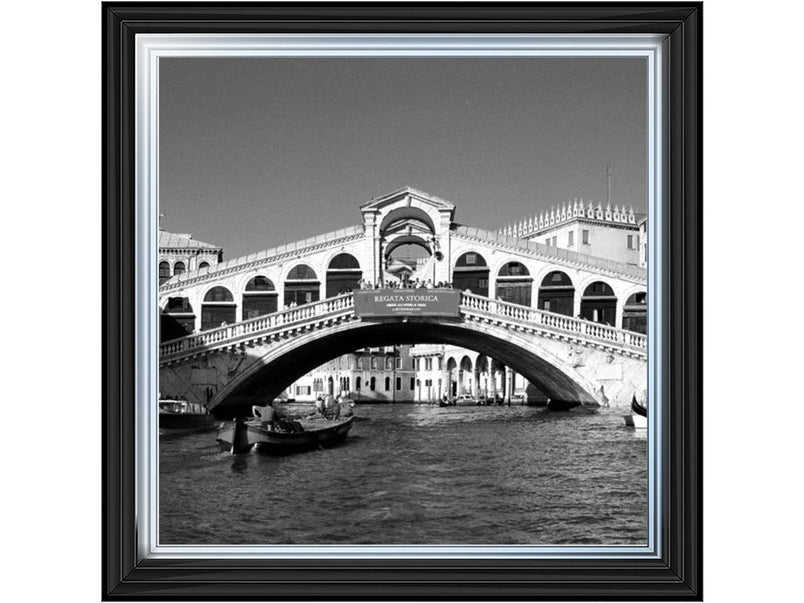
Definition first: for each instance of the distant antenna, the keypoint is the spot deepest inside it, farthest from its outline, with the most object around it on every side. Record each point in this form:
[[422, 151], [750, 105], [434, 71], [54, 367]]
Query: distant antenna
[[608, 182]]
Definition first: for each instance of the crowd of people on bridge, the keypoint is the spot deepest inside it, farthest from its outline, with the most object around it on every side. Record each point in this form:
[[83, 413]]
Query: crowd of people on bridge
[[402, 284]]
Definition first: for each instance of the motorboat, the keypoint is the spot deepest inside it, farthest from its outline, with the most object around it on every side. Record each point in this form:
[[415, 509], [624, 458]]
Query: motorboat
[[183, 415]]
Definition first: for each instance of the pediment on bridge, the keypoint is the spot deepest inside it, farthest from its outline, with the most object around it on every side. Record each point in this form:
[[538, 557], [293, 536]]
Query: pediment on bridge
[[407, 196]]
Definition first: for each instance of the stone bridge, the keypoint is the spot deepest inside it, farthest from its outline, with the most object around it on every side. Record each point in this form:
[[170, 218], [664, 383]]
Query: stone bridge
[[233, 366]]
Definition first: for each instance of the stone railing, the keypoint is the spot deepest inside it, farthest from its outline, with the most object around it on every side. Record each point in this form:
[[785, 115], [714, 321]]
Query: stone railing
[[343, 305], [486, 307], [289, 318], [262, 258], [556, 255]]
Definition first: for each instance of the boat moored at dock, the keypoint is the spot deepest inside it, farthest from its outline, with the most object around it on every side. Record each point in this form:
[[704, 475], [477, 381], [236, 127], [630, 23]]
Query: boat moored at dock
[[282, 437]]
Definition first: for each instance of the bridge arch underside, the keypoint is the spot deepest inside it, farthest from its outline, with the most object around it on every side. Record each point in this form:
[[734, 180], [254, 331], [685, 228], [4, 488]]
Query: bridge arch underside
[[266, 378]]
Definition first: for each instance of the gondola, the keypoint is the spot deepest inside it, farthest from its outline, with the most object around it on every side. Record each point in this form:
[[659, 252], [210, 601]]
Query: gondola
[[639, 415], [284, 437]]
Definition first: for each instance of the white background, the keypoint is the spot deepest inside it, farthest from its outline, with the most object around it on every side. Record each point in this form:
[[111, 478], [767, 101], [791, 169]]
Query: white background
[[51, 244]]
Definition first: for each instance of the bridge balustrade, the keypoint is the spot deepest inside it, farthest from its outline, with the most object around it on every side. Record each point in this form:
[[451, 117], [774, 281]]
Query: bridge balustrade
[[267, 322], [469, 304], [559, 322]]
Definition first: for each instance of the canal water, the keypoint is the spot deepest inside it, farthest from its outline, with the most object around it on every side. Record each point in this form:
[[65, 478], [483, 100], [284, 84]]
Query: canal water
[[411, 474]]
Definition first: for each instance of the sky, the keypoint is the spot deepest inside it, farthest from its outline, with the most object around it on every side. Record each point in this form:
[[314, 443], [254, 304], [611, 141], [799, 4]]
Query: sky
[[259, 152]]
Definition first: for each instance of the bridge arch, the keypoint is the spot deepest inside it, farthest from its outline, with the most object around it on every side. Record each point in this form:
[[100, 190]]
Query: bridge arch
[[288, 360], [408, 212], [218, 307]]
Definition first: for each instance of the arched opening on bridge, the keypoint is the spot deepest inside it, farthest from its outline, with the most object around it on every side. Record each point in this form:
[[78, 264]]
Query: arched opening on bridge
[[471, 272], [259, 298], [203, 265], [557, 294], [514, 284], [407, 244], [599, 304], [406, 259], [408, 214], [452, 378], [635, 313], [218, 308], [179, 268], [164, 272], [177, 319], [301, 286], [343, 274]]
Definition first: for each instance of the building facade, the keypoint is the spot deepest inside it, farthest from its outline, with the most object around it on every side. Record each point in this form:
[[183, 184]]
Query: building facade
[[605, 232]]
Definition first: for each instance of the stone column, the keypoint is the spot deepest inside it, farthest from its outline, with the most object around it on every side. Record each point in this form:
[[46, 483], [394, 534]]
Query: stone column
[[476, 382], [509, 385], [460, 382], [445, 384], [493, 385]]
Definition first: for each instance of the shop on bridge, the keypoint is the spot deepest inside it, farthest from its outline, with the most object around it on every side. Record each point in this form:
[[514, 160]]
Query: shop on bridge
[[177, 319], [218, 309], [599, 304], [471, 273], [343, 274], [514, 284], [557, 294], [259, 298], [302, 286], [635, 313]]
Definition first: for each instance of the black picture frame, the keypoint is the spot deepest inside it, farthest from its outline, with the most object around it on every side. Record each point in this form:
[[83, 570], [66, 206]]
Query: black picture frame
[[675, 575]]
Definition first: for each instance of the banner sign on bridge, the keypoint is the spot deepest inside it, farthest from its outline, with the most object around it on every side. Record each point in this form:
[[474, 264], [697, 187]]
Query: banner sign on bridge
[[376, 303]]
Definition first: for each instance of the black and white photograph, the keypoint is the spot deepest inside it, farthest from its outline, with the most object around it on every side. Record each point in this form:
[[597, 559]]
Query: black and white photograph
[[404, 301]]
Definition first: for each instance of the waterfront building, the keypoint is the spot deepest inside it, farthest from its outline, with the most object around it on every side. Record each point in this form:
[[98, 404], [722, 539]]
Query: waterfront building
[[606, 232], [180, 253], [378, 374]]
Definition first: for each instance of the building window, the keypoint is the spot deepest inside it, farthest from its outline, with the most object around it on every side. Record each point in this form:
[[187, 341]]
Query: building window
[[398, 383], [471, 259], [302, 390], [440, 362], [398, 363], [585, 235], [555, 241], [203, 265], [374, 363], [178, 268], [570, 238], [630, 241], [428, 364], [412, 383], [164, 272], [389, 364], [387, 384], [373, 384]]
